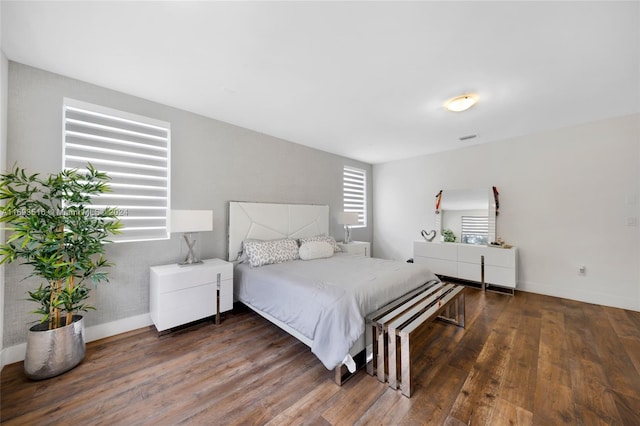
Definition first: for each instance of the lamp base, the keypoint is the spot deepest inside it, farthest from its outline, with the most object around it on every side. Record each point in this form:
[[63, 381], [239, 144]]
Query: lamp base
[[186, 263], [191, 258], [347, 234]]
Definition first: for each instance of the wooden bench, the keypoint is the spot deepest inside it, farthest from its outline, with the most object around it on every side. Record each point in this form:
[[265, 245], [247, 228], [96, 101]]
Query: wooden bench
[[389, 329]]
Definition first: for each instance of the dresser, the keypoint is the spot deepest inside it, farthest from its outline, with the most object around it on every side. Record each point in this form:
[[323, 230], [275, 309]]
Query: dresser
[[467, 262], [182, 294]]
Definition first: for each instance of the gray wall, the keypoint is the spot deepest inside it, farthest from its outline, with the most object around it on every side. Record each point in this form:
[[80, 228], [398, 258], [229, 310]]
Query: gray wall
[[212, 163]]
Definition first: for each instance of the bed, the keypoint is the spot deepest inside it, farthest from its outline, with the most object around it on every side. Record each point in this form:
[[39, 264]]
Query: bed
[[321, 301]]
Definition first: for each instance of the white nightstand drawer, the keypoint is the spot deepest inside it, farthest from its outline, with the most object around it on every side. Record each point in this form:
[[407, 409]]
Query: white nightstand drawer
[[173, 277], [362, 248], [178, 308]]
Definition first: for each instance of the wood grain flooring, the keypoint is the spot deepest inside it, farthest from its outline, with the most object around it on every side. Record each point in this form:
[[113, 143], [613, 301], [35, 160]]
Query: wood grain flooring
[[523, 360]]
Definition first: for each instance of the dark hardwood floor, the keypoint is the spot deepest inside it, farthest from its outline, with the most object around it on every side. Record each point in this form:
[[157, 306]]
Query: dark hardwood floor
[[528, 359]]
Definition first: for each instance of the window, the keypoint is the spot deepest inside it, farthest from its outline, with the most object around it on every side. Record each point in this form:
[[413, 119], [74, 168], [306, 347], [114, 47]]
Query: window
[[475, 229], [134, 152], [354, 188]]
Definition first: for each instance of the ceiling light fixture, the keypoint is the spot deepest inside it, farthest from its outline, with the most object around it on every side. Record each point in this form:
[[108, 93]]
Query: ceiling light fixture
[[462, 102]]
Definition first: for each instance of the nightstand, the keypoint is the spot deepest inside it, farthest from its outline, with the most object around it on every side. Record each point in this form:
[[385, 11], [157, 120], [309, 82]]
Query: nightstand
[[362, 248], [182, 294]]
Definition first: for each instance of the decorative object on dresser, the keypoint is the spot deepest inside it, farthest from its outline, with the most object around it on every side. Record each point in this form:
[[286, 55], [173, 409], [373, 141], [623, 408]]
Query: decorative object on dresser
[[494, 268], [362, 248], [348, 219], [438, 201], [428, 236], [190, 222], [54, 229], [182, 295], [448, 236]]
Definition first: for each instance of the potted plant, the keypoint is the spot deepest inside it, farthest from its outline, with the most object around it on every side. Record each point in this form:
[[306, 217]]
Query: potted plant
[[52, 228], [449, 236]]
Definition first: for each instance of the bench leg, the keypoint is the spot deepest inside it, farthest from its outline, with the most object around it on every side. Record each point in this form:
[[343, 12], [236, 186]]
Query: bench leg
[[454, 312], [392, 359], [341, 373], [382, 348], [371, 347], [405, 364], [460, 307]]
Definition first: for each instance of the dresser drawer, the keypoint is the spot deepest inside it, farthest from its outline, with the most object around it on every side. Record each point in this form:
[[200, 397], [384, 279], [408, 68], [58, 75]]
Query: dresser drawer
[[470, 253], [505, 258], [439, 266], [470, 271], [505, 277], [492, 256], [436, 250]]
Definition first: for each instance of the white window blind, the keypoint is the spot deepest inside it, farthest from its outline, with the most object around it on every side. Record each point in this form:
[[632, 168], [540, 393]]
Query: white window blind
[[134, 152], [354, 187], [475, 229]]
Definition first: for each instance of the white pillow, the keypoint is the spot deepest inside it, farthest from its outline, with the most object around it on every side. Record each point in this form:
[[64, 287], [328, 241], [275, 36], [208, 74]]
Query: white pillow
[[322, 237], [315, 250]]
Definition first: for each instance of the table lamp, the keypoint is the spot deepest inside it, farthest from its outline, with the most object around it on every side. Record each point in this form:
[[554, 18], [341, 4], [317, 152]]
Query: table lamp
[[347, 219]]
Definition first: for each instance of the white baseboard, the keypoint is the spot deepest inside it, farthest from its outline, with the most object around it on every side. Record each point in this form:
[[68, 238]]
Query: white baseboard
[[109, 329], [13, 354], [596, 298], [16, 353]]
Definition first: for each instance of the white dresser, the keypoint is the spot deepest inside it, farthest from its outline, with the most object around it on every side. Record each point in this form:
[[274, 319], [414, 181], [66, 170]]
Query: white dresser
[[182, 294], [464, 261]]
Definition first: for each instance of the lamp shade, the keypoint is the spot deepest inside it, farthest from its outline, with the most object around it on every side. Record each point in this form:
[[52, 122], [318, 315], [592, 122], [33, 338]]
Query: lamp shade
[[191, 220], [348, 218]]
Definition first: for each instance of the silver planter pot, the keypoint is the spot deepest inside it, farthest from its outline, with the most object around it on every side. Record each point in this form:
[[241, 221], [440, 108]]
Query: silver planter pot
[[53, 352]]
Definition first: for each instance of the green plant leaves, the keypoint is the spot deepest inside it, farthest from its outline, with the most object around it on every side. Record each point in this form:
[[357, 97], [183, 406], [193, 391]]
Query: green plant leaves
[[52, 228]]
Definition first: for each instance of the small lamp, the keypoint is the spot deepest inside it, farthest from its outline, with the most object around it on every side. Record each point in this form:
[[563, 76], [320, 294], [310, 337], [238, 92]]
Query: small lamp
[[347, 219], [189, 222]]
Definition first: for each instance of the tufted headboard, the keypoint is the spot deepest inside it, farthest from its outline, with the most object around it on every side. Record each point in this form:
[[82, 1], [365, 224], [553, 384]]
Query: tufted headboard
[[269, 221]]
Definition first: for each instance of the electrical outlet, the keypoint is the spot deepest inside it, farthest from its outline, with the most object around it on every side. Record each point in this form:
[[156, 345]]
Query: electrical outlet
[[582, 270]]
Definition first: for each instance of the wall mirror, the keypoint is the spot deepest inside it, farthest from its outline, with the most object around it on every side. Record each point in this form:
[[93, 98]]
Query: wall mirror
[[469, 215]]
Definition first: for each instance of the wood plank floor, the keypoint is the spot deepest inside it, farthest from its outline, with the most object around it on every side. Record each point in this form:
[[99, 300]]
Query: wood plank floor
[[522, 360]]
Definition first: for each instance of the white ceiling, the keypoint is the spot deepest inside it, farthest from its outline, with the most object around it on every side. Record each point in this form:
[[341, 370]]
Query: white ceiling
[[366, 80]]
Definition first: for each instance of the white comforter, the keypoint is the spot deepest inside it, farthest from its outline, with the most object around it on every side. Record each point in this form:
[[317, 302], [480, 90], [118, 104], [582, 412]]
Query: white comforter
[[326, 300]]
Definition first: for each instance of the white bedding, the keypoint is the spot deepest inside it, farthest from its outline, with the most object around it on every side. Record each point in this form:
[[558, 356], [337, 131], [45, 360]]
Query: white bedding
[[326, 300]]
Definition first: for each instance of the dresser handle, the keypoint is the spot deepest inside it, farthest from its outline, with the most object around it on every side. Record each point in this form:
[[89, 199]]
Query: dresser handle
[[482, 273]]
